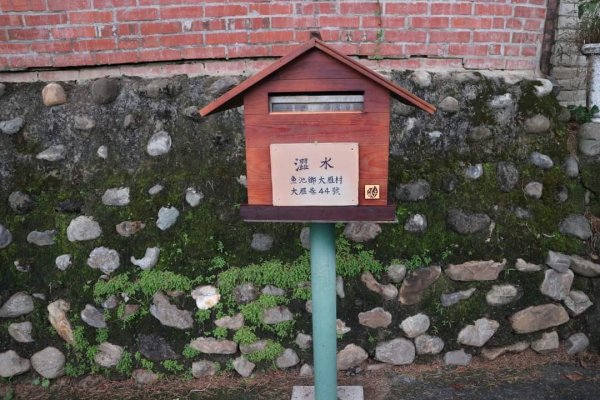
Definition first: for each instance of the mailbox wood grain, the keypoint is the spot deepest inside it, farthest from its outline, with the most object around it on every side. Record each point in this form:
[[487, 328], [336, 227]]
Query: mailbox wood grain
[[316, 94]]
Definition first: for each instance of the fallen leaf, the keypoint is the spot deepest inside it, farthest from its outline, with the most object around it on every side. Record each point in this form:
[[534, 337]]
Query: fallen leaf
[[575, 376]]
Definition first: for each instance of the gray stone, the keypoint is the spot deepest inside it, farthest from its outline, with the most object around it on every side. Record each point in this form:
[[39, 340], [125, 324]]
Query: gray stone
[[108, 355], [193, 196], [2, 89], [57, 315], [204, 368], [537, 318], [475, 270], [304, 341], [11, 126], [396, 352], [83, 123], [534, 190], [388, 291], [547, 343], [111, 302], [396, 272], [557, 285], [341, 328], [159, 144], [18, 304], [537, 124], [457, 357], [449, 299], [104, 259], [351, 356], [5, 237], [473, 172], [243, 366], [144, 376], [49, 363], [257, 346], [541, 160], [22, 266], [93, 317], [589, 139], [416, 223], [524, 266], [63, 262], [421, 78], [105, 90], [20, 202], [223, 84], [159, 87], [425, 344], [156, 189], [305, 237], [449, 183], [576, 225], [491, 353], [287, 359], [577, 302], [501, 101], [102, 152], [53, 95], [170, 315], [261, 242], [416, 282], [156, 348], [21, 331], [11, 364], [522, 213], [339, 287], [584, 267], [479, 133], [413, 191], [571, 167], [44, 238], [83, 228], [167, 216], [129, 121], [375, 318], [576, 343], [149, 260], [245, 293], [449, 105], [192, 113], [467, 223], [507, 176], [210, 345], [361, 231], [562, 194], [544, 88], [234, 322], [558, 261], [415, 325], [477, 335], [53, 153], [500, 295], [129, 228], [306, 371], [116, 197], [275, 315], [206, 297]]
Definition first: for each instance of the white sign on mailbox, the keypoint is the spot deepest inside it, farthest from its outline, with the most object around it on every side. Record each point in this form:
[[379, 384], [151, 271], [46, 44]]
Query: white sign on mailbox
[[314, 174]]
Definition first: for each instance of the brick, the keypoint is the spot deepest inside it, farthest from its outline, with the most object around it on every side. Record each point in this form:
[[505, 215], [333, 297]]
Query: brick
[[484, 63], [370, 22], [225, 38], [471, 23], [425, 49], [534, 24], [91, 17], [159, 55], [467, 50], [271, 36], [405, 36], [22, 5], [491, 36], [137, 14], [128, 44], [493, 9], [57, 5], [181, 40], [127, 30], [28, 34], [518, 37], [429, 22], [114, 3], [512, 50], [209, 25], [339, 21], [69, 60], [182, 12], [451, 9], [203, 52], [530, 12], [495, 49], [73, 33], [11, 20], [279, 50], [393, 22], [30, 61], [271, 8], [52, 47], [251, 23], [442, 63], [359, 8], [13, 48], [521, 64], [151, 42], [449, 37], [498, 23], [417, 8], [316, 8], [225, 11], [296, 22], [94, 45], [529, 51], [248, 51], [45, 19], [514, 23], [160, 28], [117, 58]]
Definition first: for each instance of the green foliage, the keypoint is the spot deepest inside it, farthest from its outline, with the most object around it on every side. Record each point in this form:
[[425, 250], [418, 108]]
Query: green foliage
[[144, 363], [219, 332], [417, 261], [74, 370], [582, 114], [203, 316], [10, 394], [125, 365], [190, 352], [589, 21], [81, 343], [45, 383], [350, 265], [172, 366], [253, 311], [147, 284], [245, 335], [271, 351], [101, 335]]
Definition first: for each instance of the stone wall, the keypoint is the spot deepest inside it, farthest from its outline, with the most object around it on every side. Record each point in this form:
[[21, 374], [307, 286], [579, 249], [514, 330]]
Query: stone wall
[[121, 247]]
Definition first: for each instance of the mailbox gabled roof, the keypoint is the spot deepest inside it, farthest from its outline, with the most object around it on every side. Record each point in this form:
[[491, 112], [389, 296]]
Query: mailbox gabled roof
[[234, 97]]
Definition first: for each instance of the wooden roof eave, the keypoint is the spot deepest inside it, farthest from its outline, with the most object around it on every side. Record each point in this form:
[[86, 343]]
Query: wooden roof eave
[[234, 98]]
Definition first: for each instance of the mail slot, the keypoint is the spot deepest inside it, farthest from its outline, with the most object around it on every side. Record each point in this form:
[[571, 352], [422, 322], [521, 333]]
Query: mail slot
[[317, 127]]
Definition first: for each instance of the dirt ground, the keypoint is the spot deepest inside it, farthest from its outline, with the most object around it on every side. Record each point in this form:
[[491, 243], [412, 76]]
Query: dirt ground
[[515, 376]]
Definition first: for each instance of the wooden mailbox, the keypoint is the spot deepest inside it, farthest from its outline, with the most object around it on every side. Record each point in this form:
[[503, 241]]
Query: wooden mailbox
[[317, 137]]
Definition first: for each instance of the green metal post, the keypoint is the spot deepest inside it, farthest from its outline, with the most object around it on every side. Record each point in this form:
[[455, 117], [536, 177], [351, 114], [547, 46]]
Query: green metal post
[[322, 265]]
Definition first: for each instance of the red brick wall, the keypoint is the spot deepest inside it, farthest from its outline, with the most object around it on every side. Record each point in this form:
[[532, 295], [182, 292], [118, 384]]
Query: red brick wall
[[479, 34]]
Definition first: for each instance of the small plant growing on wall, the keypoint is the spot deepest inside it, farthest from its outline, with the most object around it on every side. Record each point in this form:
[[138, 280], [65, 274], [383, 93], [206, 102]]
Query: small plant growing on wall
[[589, 21]]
